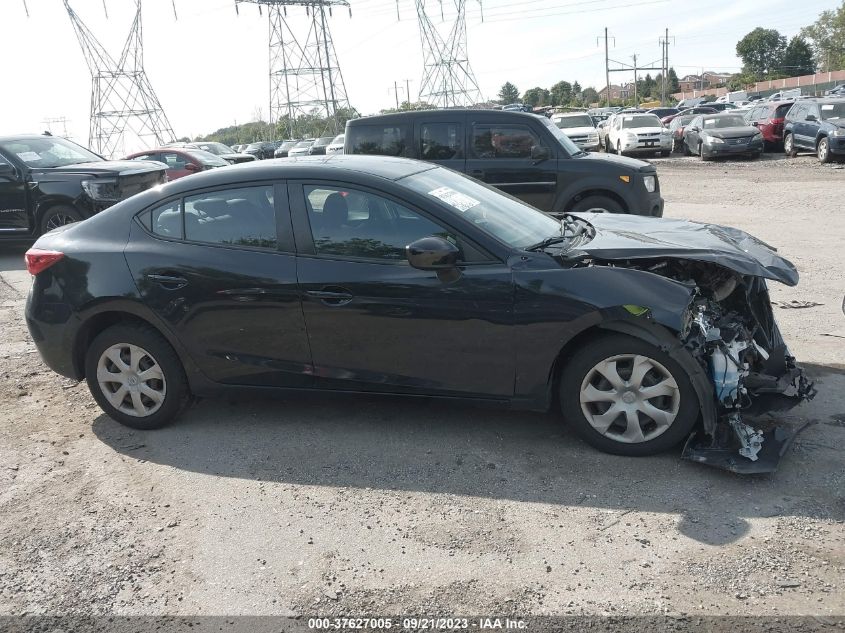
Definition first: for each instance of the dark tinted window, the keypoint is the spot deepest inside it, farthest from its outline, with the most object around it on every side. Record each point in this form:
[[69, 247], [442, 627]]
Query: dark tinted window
[[503, 141], [360, 224], [166, 220], [174, 160], [781, 111], [797, 111], [239, 217], [439, 141], [385, 140]]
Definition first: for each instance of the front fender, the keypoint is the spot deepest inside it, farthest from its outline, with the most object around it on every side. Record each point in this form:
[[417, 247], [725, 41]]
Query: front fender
[[597, 184]]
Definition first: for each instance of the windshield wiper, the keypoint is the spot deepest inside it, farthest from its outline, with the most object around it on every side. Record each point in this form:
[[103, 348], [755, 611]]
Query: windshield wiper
[[576, 228]]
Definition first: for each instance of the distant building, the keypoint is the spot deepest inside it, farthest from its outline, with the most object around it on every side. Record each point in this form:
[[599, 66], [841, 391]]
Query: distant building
[[707, 79], [617, 92]]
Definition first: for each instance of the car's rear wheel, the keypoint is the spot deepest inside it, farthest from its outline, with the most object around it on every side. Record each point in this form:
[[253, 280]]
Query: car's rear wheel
[[57, 216], [597, 204], [823, 150], [627, 397], [789, 146], [136, 377], [687, 151]]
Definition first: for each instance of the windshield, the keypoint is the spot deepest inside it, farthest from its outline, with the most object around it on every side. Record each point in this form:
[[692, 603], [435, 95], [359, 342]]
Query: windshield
[[287, 145], [206, 158], [725, 121], [640, 120], [833, 111], [505, 218], [50, 151], [215, 148], [567, 122], [304, 144], [338, 140], [570, 147], [323, 140]]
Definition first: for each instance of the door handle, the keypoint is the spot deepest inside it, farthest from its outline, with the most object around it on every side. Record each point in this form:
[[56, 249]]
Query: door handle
[[335, 297], [477, 173], [168, 282]]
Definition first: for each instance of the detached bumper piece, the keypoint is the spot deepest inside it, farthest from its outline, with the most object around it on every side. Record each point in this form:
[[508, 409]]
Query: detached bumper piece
[[724, 452]]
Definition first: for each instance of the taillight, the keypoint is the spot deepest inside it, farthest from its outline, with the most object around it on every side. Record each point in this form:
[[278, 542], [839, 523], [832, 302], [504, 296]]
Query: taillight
[[39, 260]]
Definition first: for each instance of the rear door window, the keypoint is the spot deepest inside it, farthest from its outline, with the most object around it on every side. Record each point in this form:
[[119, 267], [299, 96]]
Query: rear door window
[[383, 140], [236, 217], [440, 141], [503, 141]]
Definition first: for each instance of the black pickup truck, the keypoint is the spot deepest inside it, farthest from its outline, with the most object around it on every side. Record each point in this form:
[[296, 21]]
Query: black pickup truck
[[522, 154], [47, 181]]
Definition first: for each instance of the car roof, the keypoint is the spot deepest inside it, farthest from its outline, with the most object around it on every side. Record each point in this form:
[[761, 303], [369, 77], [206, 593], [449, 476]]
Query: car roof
[[322, 167], [719, 115], [437, 114]]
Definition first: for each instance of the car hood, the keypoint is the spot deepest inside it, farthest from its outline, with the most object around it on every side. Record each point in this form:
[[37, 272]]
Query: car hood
[[625, 163], [623, 237], [106, 167], [656, 129], [579, 130], [732, 132]]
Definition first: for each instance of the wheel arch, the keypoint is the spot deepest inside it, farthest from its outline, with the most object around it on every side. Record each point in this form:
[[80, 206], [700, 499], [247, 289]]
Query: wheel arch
[[596, 191], [52, 201], [653, 333]]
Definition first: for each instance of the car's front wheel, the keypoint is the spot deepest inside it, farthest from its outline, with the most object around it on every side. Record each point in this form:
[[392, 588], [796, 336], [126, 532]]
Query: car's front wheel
[[136, 377], [823, 150], [789, 146], [57, 216], [627, 397], [597, 204]]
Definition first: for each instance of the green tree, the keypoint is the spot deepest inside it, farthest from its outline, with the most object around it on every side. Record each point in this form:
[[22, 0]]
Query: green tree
[[672, 85], [827, 39], [508, 94], [741, 81], [589, 96], [761, 52], [576, 89], [561, 93], [536, 97], [798, 58]]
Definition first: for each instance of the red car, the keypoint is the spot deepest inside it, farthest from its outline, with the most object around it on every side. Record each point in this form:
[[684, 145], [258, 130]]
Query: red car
[[768, 118], [181, 162]]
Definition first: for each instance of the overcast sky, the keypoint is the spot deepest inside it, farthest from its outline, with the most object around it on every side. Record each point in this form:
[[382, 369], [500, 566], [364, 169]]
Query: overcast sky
[[209, 67]]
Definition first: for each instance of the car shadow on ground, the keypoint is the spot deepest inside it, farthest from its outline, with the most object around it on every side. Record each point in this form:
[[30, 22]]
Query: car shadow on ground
[[438, 447]]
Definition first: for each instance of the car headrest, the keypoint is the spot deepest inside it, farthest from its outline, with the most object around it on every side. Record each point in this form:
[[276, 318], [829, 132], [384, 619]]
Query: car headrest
[[335, 210]]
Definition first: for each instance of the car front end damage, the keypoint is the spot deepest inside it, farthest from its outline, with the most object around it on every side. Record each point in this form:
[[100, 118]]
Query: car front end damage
[[728, 328]]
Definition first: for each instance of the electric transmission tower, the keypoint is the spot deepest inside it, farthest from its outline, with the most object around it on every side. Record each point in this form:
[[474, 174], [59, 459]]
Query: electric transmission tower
[[305, 77], [448, 80], [122, 99]]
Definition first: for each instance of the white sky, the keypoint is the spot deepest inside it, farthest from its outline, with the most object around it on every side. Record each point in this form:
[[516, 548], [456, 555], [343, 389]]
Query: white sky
[[209, 67]]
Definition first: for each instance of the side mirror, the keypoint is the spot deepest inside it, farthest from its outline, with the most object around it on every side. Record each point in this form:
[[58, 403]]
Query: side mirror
[[432, 253], [755, 123], [539, 152], [810, 117], [192, 167]]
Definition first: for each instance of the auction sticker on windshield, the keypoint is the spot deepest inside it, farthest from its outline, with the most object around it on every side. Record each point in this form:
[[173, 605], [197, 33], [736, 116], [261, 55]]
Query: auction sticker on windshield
[[460, 201], [28, 156]]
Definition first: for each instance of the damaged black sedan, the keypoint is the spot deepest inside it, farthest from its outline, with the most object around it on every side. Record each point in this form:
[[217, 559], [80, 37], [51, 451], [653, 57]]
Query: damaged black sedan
[[393, 276]]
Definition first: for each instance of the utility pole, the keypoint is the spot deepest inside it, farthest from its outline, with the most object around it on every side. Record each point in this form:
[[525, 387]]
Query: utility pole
[[664, 49], [408, 91], [607, 66], [636, 99], [396, 90]]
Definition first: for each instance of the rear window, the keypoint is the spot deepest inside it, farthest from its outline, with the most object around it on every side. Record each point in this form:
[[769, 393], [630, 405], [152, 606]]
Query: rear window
[[781, 111], [384, 140]]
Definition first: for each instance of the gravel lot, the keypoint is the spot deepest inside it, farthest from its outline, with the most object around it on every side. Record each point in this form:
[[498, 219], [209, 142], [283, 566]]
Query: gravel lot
[[383, 506]]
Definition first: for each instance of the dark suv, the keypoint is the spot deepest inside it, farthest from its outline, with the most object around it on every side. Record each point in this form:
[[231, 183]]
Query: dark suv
[[522, 154], [816, 126], [47, 181]]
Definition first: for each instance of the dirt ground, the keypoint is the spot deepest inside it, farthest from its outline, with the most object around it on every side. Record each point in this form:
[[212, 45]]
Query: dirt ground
[[343, 506]]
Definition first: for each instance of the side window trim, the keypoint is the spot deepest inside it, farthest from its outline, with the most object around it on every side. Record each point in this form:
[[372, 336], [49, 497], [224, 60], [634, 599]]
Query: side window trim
[[283, 216]]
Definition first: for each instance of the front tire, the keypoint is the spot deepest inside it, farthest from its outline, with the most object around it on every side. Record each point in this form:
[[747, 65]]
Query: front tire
[[823, 150], [136, 377], [789, 146], [687, 151], [625, 396], [597, 204], [57, 216]]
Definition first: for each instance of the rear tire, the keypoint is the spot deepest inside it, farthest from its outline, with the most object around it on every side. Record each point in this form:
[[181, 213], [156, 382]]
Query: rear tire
[[665, 153], [676, 408], [136, 376], [687, 151], [597, 204], [57, 216], [789, 146]]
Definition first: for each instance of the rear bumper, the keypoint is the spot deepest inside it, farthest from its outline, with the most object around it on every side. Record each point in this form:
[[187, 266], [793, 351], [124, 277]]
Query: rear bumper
[[53, 328]]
